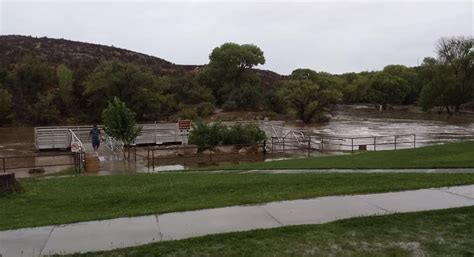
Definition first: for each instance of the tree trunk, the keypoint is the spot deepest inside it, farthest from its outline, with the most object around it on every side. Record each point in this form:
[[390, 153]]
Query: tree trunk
[[8, 183], [448, 110]]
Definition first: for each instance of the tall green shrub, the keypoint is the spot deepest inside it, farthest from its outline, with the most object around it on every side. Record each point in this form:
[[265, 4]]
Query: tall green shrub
[[6, 104], [119, 122], [243, 134], [210, 135]]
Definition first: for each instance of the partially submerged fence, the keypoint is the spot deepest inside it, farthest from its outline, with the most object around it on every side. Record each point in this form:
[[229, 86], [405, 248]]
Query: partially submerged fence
[[27, 163], [195, 156]]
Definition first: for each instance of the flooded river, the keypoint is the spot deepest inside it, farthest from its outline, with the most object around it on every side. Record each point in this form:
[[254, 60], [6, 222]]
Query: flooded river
[[348, 122], [357, 121], [364, 121]]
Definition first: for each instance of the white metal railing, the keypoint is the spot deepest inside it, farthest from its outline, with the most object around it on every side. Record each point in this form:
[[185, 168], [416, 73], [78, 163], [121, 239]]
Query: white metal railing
[[280, 133], [78, 147], [113, 144], [76, 143]]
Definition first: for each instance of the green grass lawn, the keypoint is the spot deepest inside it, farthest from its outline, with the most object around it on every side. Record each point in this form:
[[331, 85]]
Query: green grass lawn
[[434, 233], [81, 198], [453, 155]]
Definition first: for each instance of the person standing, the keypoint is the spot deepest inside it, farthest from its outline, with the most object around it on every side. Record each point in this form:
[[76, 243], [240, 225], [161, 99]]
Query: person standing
[[94, 135]]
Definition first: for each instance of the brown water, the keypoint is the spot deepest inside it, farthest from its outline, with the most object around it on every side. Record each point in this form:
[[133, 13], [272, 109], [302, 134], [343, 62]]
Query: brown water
[[349, 121], [363, 121]]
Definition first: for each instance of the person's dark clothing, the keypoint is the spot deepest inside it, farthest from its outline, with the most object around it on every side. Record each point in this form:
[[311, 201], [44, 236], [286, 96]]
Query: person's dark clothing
[[95, 136]]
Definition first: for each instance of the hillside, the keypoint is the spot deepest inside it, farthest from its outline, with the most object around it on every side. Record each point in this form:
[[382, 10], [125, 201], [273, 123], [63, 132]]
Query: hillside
[[72, 53], [51, 81]]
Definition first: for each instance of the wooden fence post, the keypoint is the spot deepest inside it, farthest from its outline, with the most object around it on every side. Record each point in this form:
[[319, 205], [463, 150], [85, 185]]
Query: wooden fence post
[[414, 141], [375, 144]]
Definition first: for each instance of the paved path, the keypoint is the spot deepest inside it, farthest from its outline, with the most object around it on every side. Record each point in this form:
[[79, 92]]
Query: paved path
[[419, 170], [124, 232]]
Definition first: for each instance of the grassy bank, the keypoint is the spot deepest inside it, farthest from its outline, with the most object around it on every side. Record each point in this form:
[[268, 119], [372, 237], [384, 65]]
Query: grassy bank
[[435, 233], [453, 155], [66, 200]]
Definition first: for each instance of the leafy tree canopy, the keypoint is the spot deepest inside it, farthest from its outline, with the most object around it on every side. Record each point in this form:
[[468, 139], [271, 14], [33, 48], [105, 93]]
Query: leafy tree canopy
[[387, 89], [228, 69], [306, 98]]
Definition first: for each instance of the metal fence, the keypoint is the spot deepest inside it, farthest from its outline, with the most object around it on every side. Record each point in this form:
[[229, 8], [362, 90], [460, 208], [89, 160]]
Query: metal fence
[[344, 144], [26, 162]]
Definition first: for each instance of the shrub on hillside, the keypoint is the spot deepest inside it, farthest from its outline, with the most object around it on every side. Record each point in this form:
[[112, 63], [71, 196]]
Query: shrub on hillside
[[188, 114], [205, 109], [229, 106]]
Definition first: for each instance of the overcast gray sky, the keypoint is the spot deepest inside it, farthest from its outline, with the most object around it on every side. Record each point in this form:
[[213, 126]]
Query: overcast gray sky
[[336, 36]]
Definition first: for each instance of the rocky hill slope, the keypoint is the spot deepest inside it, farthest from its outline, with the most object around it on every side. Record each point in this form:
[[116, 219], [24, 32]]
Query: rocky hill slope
[[72, 53]]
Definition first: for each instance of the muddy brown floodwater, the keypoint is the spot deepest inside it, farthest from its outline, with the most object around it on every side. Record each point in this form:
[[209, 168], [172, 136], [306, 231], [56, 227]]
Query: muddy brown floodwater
[[349, 121], [366, 121]]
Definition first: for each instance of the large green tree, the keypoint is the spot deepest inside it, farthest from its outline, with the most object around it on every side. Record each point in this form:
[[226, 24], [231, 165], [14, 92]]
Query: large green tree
[[27, 79], [456, 53], [306, 98], [6, 104], [138, 87], [356, 87], [438, 90], [387, 89], [44, 110], [229, 69], [449, 80], [411, 76], [65, 82]]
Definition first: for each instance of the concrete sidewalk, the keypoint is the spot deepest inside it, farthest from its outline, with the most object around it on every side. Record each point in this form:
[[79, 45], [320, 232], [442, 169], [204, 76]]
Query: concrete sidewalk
[[125, 232]]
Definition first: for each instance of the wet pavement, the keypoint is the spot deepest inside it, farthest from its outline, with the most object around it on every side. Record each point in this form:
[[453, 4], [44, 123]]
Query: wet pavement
[[125, 232]]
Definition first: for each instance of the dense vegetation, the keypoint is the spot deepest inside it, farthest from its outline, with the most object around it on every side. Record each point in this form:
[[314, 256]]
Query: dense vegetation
[[80, 198], [50, 81], [210, 135]]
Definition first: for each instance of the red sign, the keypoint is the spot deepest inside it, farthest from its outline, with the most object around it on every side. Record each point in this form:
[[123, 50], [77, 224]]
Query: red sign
[[184, 124]]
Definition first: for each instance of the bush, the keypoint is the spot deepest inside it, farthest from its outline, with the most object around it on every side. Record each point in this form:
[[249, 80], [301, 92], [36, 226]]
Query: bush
[[243, 134], [205, 109], [188, 114], [208, 136], [230, 105]]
